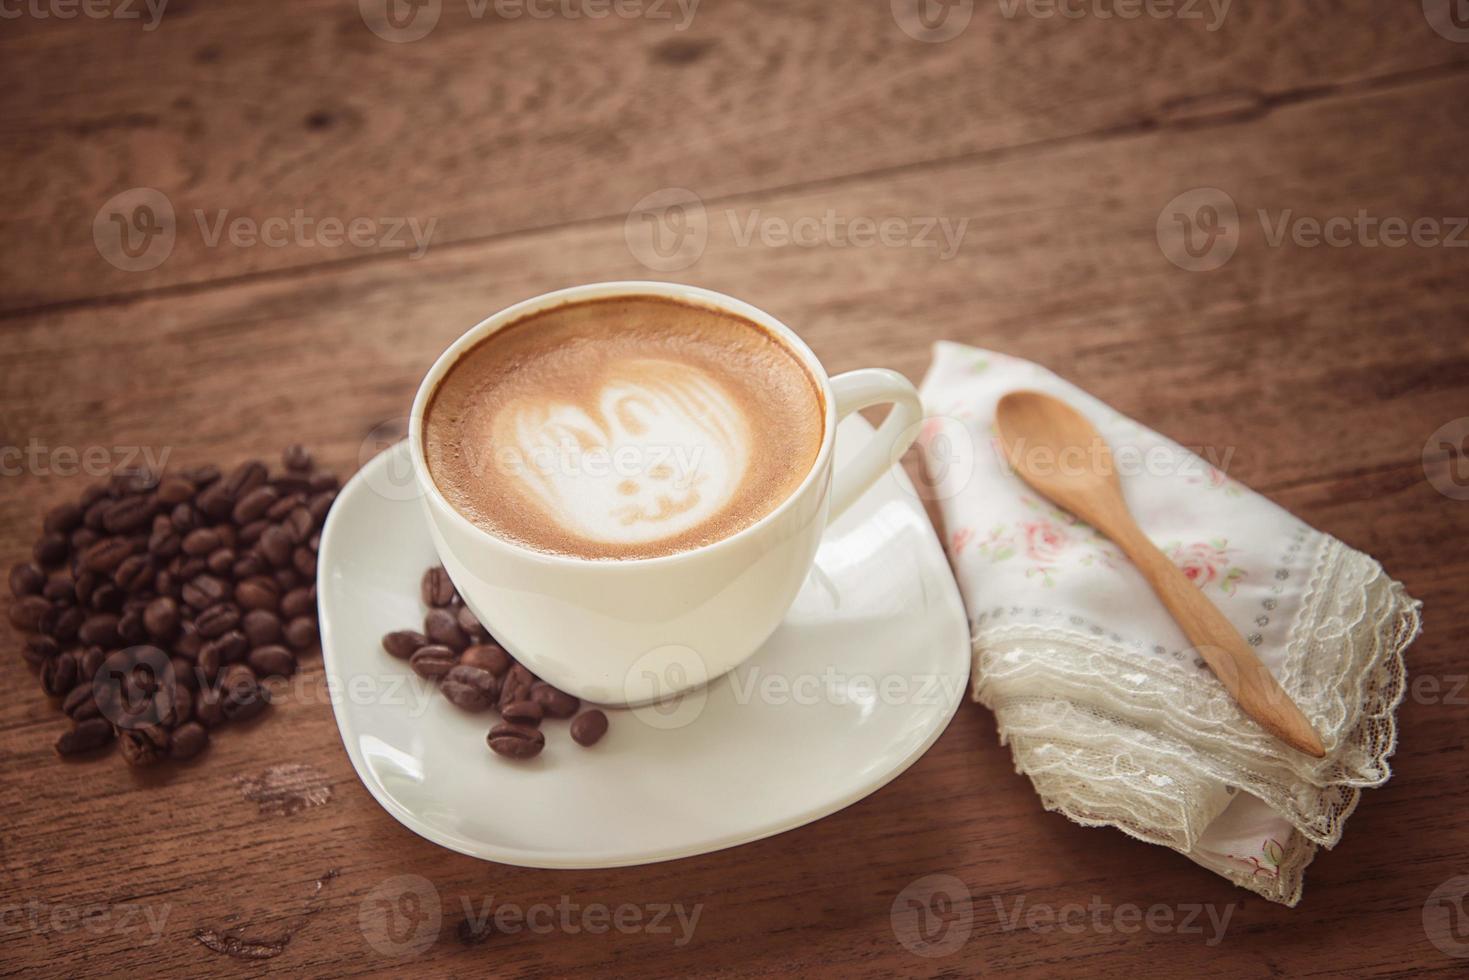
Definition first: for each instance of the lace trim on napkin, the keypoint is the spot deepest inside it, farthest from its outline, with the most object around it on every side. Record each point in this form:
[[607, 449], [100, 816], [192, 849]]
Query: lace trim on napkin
[[1114, 735]]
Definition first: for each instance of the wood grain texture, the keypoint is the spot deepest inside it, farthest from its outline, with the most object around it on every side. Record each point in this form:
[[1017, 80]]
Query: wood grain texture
[[493, 125], [1320, 374]]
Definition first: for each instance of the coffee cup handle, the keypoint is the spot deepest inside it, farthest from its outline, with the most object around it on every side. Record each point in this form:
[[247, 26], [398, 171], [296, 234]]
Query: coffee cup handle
[[855, 391]]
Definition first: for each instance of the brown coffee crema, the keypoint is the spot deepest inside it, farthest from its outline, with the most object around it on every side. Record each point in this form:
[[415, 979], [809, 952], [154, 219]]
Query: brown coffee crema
[[627, 427]]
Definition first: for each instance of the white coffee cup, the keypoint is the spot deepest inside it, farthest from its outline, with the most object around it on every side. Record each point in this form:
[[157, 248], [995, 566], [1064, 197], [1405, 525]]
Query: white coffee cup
[[631, 632]]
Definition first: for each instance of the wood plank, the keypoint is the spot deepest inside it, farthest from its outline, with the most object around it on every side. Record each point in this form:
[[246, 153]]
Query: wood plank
[[1325, 369], [492, 125]]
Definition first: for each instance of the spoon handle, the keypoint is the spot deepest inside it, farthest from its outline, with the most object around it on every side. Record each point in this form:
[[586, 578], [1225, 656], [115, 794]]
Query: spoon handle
[[1219, 643]]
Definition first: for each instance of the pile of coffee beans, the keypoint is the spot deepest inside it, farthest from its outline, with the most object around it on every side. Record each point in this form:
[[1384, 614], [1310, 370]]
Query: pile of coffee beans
[[476, 674], [158, 603]]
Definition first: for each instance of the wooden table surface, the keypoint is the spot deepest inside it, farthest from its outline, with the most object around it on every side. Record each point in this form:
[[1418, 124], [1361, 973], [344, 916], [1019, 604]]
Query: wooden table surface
[[522, 141]]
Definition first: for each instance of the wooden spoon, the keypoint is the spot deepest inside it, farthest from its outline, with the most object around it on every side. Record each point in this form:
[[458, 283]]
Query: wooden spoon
[[1059, 453]]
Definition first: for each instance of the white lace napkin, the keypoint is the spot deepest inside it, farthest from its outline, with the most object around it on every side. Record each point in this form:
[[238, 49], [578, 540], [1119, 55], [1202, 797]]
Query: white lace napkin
[[1105, 707]]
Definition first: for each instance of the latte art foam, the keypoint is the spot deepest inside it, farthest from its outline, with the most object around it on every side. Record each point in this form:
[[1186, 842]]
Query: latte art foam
[[623, 428]]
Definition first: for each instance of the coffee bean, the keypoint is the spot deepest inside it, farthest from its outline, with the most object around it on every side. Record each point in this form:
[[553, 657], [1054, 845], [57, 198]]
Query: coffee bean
[[105, 555], [163, 545], [59, 675], [91, 661], [95, 512], [246, 477], [258, 592], [403, 643], [301, 633], [143, 746], [202, 476], [62, 519], [286, 579], [432, 662], [516, 685], [38, 649], [470, 688], [249, 566], [588, 727], [79, 703], [242, 697], [188, 741], [436, 588], [82, 539], [26, 612], [249, 535], [217, 654], [201, 541], [134, 573], [26, 578], [254, 504], [190, 568], [523, 713], [292, 484], [557, 703], [189, 641], [319, 506], [209, 706], [87, 735], [130, 627], [299, 524], [324, 480], [516, 741], [132, 481], [272, 661], [174, 491], [185, 672], [281, 509], [216, 502], [205, 591], [217, 620], [128, 514], [440, 626], [107, 597], [60, 590], [304, 560], [299, 602], [487, 656], [100, 629], [52, 550], [184, 518], [276, 545], [221, 562], [296, 457], [261, 627]]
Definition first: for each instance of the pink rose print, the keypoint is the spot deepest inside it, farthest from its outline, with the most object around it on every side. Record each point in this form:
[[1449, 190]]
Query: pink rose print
[[959, 539], [1207, 563], [1044, 541], [1267, 865]]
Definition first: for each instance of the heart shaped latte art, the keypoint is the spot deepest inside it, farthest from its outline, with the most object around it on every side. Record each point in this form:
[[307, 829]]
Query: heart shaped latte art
[[658, 450]]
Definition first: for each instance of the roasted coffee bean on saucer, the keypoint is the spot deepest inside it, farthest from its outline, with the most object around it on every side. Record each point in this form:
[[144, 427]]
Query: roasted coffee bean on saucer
[[516, 741]]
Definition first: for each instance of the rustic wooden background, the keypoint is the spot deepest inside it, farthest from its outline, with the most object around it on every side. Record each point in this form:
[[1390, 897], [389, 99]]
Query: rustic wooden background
[[527, 141]]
